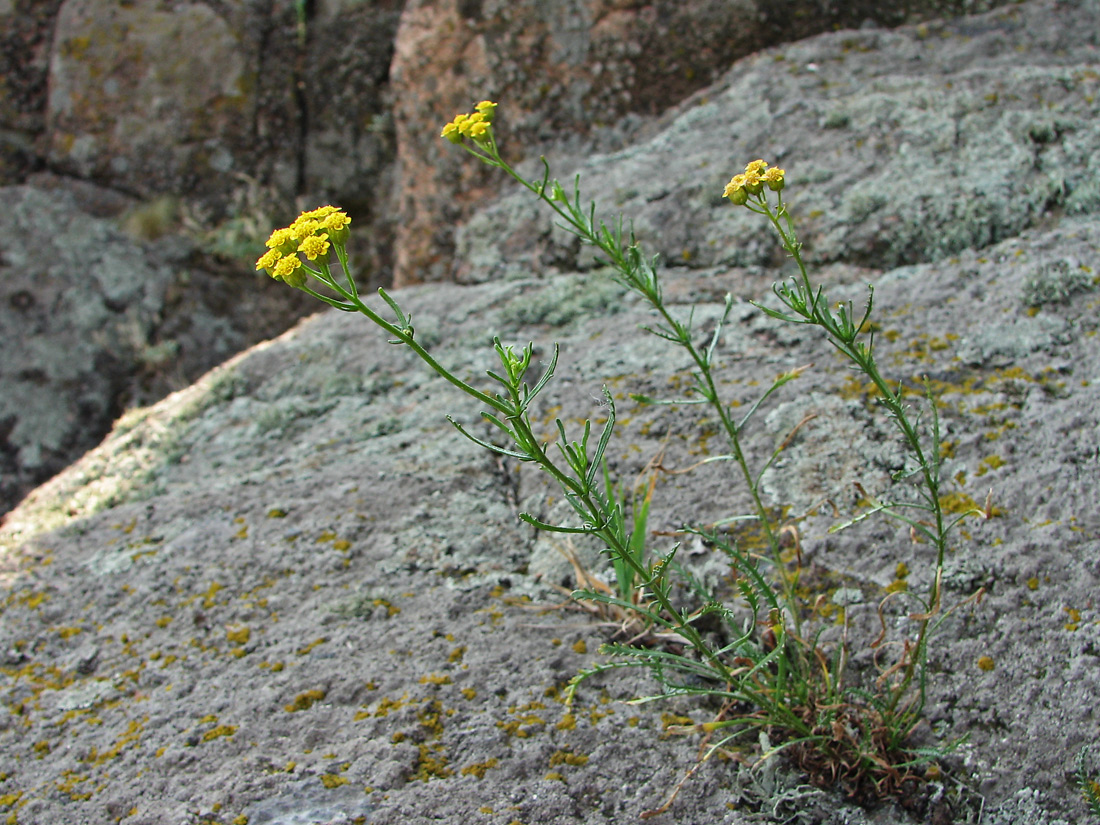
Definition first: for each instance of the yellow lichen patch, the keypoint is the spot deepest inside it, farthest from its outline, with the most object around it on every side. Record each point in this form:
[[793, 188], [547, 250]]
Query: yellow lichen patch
[[580, 646], [386, 704], [669, 720], [1074, 618], [985, 663], [568, 722], [302, 651], [959, 503], [209, 599], [435, 679], [455, 656], [478, 769], [432, 760], [69, 783], [567, 757], [238, 635], [130, 737], [218, 732], [992, 462], [331, 780], [304, 701], [391, 609], [469, 693]]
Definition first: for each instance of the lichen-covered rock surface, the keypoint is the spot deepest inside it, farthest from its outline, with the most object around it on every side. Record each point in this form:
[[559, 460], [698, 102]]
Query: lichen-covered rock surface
[[907, 145], [94, 320], [291, 592]]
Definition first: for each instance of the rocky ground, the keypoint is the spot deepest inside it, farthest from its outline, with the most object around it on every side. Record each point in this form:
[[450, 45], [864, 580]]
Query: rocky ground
[[292, 593]]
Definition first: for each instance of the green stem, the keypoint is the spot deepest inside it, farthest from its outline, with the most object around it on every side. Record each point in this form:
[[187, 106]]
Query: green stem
[[863, 358], [645, 283]]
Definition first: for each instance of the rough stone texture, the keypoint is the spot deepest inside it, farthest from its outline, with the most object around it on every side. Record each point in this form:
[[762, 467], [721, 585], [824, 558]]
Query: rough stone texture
[[906, 146], [94, 321], [587, 70], [150, 97], [348, 132], [26, 27], [303, 521], [205, 100]]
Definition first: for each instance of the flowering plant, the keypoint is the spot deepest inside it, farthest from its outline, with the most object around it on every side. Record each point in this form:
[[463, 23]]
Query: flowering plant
[[764, 665]]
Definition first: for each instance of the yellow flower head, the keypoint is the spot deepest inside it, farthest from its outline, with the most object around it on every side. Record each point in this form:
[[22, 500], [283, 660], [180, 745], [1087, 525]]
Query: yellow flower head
[[289, 271], [286, 266], [479, 131], [268, 260], [475, 126], [754, 182], [335, 221], [335, 225], [774, 178], [452, 132], [487, 109], [318, 213], [314, 247], [304, 227], [283, 240], [756, 167], [735, 190]]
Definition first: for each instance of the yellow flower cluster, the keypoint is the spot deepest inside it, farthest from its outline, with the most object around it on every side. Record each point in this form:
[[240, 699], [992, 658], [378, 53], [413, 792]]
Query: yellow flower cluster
[[311, 234], [476, 126], [757, 175]]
